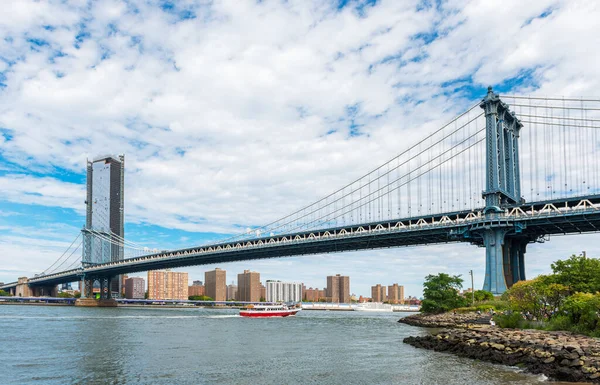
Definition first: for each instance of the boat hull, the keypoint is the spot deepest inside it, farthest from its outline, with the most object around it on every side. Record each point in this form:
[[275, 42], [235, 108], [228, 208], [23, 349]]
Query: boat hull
[[265, 314]]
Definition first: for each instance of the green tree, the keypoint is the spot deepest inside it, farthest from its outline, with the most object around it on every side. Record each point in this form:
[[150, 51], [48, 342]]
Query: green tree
[[65, 295], [199, 298], [4, 293], [578, 273], [540, 296], [481, 295], [441, 293], [584, 310]]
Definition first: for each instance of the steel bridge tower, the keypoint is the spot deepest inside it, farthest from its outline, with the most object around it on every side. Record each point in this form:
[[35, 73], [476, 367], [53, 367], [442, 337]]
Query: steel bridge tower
[[504, 243]]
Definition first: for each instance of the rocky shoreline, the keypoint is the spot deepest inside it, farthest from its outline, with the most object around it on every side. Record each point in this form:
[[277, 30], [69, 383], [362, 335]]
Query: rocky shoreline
[[445, 320], [562, 356]]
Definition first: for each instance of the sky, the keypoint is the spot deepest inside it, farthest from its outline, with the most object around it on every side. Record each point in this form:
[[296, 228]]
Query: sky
[[232, 114]]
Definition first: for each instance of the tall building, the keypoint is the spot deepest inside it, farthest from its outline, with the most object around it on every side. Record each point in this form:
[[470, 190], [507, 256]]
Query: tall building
[[104, 213], [338, 288], [313, 295], [278, 291], [249, 287], [135, 288], [378, 293], [197, 283], [232, 291], [196, 290], [167, 285], [395, 293], [215, 284]]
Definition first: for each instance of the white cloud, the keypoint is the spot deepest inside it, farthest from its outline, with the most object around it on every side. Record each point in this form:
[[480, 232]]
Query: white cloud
[[224, 118]]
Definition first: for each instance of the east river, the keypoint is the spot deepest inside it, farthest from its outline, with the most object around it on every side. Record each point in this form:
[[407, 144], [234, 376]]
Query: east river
[[69, 345]]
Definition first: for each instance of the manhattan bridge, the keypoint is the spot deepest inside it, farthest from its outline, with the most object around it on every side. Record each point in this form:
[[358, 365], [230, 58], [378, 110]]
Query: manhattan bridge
[[508, 172]]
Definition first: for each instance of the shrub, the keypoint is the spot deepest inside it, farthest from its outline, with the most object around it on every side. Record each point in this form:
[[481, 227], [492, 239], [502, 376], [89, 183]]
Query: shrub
[[512, 320]]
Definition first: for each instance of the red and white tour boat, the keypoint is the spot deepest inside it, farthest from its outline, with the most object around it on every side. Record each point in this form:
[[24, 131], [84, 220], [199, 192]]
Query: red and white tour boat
[[269, 311]]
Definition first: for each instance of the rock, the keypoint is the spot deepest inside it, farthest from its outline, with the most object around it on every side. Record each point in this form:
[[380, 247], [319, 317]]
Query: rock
[[570, 356], [559, 355], [576, 362]]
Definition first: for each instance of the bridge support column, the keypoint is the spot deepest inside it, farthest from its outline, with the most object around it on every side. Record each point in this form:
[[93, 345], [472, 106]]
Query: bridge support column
[[44, 291], [86, 288], [23, 289], [87, 299], [504, 260], [495, 281]]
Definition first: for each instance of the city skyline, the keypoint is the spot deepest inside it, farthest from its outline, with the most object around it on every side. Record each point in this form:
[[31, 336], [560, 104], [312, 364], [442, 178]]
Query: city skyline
[[193, 281], [242, 125]]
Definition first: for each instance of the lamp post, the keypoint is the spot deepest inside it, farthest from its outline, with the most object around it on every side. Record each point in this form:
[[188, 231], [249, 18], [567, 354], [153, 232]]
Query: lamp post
[[472, 289]]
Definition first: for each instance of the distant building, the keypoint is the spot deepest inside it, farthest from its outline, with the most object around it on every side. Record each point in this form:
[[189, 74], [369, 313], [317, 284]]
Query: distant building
[[313, 295], [135, 288], [378, 293], [215, 284], [232, 291], [278, 291], [249, 288], [338, 289], [196, 290], [197, 283], [395, 293], [167, 285], [263, 292]]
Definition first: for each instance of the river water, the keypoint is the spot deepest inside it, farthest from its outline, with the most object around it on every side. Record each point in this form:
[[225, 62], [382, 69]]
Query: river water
[[72, 345]]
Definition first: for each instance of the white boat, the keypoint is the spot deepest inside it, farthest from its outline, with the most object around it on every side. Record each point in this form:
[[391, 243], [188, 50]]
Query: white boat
[[257, 311], [374, 307]]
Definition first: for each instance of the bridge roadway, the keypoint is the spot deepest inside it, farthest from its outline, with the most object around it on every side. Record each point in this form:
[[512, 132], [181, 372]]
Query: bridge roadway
[[533, 220]]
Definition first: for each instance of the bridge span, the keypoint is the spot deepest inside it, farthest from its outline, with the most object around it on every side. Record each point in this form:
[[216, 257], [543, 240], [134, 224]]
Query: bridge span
[[430, 193]]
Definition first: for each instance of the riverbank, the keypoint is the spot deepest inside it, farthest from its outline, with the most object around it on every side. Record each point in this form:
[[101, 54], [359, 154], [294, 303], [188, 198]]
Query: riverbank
[[562, 356], [445, 320]]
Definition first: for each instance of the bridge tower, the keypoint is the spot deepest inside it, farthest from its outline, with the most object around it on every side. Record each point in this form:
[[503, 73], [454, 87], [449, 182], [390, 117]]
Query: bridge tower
[[504, 244], [104, 230]]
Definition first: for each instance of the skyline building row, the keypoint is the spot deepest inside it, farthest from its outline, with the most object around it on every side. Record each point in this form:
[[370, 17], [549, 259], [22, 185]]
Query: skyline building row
[[394, 294], [174, 285]]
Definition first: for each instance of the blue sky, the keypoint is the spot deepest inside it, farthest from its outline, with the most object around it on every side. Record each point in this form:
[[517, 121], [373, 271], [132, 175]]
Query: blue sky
[[232, 114]]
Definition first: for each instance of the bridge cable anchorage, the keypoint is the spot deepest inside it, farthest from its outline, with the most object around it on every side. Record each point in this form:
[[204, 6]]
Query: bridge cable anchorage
[[48, 270]]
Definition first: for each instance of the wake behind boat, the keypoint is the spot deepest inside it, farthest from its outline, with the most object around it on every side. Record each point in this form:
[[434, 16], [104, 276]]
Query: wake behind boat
[[269, 311]]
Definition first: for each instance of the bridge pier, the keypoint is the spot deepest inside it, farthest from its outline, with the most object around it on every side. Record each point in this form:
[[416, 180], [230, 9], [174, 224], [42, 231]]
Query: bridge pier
[[44, 291], [87, 296], [504, 259]]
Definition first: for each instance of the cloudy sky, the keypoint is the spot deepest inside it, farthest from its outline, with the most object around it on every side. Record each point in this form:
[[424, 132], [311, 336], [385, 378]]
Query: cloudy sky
[[234, 113]]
